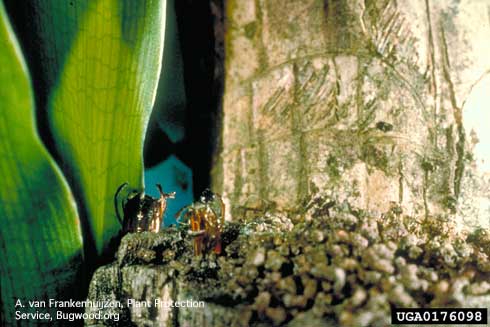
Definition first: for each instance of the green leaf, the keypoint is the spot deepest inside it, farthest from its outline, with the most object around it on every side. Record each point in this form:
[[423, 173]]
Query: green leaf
[[40, 238], [169, 111], [102, 61]]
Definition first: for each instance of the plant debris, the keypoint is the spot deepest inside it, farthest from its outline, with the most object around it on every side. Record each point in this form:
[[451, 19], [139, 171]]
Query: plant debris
[[338, 265]]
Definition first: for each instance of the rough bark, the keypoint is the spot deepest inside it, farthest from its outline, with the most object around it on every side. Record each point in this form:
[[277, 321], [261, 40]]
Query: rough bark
[[244, 287], [362, 100]]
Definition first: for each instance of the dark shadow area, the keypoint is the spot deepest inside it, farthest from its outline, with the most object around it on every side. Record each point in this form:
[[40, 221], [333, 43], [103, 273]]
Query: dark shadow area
[[200, 25], [185, 121], [183, 130]]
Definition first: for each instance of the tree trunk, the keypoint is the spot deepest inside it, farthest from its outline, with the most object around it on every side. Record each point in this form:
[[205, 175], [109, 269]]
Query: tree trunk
[[378, 103]]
